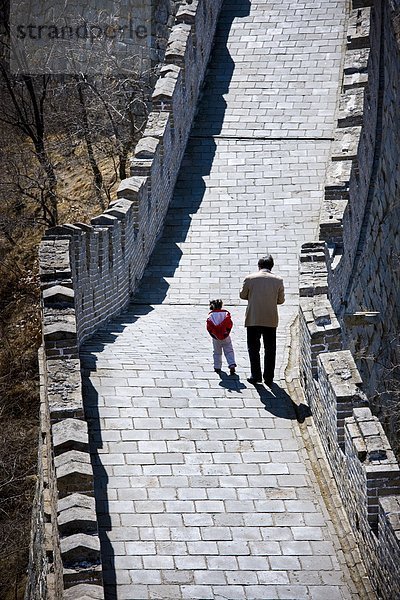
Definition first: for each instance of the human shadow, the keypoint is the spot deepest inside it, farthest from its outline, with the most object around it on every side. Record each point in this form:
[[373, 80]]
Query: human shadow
[[196, 164], [231, 383], [278, 402]]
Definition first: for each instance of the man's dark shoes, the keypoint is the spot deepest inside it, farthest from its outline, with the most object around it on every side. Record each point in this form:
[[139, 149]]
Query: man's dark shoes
[[268, 382], [253, 380]]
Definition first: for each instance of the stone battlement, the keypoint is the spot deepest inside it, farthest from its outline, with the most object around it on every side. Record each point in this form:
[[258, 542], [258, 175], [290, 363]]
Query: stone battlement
[[339, 306], [88, 274]]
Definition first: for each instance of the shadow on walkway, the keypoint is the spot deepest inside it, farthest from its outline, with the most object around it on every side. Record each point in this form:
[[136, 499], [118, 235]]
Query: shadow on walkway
[[231, 383], [278, 402], [197, 162], [100, 488], [90, 349]]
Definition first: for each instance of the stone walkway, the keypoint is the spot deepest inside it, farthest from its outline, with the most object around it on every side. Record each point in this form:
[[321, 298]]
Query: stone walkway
[[202, 485]]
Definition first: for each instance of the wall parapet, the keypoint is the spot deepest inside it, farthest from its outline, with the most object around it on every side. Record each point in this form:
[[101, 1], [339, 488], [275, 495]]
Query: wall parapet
[[357, 448], [88, 274]]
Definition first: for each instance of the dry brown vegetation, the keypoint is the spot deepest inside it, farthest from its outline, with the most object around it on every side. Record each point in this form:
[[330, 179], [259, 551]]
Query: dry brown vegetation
[[20, 334]]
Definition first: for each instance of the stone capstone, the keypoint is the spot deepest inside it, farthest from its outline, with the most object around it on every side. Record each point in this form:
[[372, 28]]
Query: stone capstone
[[77, 519], [359, 28], [342, 373], [80, 549], [338, 179], [129, 188], [104, 220], [59, 327], [177, 44], [187, 11], [312, 251], [74, 500], [146, 148], [64, 389], [351, 108], [355, 80], [331, 221], [70, 434], [58, 295], [345, 143], [165, 86], [74, 473], [313, 278], [157, 123], [84, 592], [370, 430], [356, 61], [54, 259]]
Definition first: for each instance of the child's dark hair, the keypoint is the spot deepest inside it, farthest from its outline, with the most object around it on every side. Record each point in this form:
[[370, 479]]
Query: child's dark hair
[[216, 304]]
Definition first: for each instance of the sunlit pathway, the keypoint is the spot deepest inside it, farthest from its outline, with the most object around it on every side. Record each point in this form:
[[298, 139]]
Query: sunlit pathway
[[201, 481]]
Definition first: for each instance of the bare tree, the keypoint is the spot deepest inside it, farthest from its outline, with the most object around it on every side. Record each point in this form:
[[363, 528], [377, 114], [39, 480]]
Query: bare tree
[[23, 110]]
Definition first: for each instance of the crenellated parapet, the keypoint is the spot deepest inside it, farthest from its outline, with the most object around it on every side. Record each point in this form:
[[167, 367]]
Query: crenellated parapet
[[88, 274], [343, 303]]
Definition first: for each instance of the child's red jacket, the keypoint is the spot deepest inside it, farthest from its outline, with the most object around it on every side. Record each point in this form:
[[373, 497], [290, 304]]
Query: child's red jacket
[[219, 324]]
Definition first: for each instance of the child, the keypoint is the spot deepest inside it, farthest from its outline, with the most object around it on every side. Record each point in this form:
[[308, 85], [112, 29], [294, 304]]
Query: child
[[219, 325]]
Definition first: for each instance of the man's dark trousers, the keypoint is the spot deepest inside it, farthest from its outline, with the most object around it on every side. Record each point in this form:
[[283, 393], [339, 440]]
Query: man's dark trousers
[[254, 334]]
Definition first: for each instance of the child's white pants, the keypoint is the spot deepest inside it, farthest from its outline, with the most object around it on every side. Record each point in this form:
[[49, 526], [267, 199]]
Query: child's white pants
[[226, 346]]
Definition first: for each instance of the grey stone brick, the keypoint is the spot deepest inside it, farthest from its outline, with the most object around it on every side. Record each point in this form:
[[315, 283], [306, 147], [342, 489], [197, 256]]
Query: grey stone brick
[[207, 442]]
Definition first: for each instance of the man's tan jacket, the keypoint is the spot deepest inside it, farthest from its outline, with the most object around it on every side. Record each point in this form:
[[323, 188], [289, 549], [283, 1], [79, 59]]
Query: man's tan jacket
[[263, 291]]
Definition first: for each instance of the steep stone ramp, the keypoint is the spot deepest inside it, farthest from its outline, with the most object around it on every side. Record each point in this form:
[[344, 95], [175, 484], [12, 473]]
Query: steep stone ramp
[[203, 489]]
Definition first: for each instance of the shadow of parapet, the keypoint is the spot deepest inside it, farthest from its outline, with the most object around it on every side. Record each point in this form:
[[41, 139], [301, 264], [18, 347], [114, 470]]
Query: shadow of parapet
[[212, 105], [91, 404], [108, 335], [196, 164], [189, 192]]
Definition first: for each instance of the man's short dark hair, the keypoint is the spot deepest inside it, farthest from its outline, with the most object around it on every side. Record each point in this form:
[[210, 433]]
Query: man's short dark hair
[[266, 262]]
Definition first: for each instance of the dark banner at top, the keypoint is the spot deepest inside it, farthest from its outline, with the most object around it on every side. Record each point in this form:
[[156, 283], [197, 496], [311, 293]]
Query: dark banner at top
[[54, 36]]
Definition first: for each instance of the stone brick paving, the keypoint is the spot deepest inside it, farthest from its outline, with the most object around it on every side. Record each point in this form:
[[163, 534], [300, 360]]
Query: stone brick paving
[[202, 484]]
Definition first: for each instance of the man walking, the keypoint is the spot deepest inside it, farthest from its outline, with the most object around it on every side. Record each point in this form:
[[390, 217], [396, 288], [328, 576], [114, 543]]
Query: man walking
[[263, 292]]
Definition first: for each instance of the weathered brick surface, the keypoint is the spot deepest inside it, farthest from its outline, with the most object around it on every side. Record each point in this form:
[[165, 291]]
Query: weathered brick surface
[[359, 222], [373, 474], [389, 530], [373, 279]]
